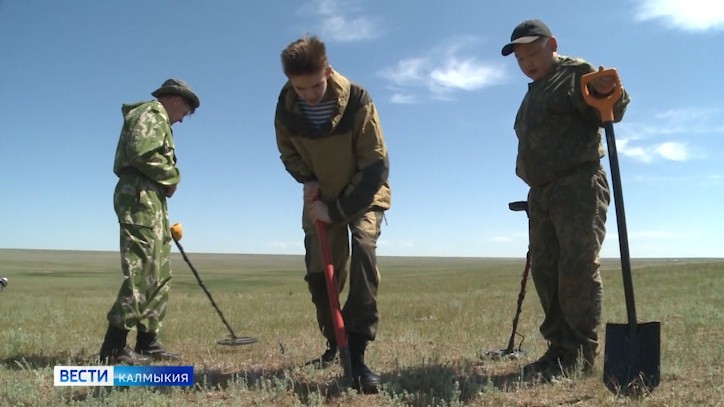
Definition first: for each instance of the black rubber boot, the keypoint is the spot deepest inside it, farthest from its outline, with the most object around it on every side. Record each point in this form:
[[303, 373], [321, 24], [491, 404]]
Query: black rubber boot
[[581, 360], [327, 358], [550, 360], [115, 351], [558, 362], [365, 381], [330, 355], [148, 345]]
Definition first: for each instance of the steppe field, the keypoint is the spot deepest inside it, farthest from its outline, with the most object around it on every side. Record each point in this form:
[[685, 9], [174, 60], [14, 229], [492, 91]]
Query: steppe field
[[438, 316]]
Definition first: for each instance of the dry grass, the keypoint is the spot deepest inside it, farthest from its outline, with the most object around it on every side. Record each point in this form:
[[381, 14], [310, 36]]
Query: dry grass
[[437, 317]]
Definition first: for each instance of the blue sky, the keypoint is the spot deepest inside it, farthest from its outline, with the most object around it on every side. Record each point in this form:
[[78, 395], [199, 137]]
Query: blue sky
[[445, 95]]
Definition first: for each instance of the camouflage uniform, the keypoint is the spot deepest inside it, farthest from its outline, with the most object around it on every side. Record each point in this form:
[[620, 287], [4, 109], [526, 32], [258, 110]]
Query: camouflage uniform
[[559, 153], [145, 163], [348, 158]]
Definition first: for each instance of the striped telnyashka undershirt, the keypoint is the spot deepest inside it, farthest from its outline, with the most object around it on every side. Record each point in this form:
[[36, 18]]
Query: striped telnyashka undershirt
[[318, 114]]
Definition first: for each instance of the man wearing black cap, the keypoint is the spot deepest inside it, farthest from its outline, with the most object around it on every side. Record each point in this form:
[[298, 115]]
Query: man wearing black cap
[[559, 152], [145, 164]]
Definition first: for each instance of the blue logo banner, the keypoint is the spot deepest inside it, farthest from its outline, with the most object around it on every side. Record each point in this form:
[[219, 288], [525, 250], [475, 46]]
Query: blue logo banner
[[153, 375], [123, 376]]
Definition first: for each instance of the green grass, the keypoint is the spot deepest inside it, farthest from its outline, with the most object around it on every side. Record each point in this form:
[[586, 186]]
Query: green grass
[[437, 316]]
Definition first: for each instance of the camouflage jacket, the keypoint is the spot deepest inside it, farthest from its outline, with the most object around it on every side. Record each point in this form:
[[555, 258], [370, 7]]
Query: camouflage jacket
[[557, 131], [347, 156], [145, 163]]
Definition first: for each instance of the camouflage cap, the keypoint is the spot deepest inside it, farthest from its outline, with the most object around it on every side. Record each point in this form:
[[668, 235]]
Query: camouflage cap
[[179, 88], [525, 33]]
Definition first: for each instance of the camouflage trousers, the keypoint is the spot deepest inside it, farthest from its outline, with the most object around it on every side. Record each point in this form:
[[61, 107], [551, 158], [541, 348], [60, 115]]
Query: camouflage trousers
[[145, 261], [567, 229], [359, 312]]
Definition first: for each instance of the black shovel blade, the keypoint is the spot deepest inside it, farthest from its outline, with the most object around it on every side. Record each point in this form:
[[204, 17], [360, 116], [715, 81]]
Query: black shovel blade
[[631, 363]]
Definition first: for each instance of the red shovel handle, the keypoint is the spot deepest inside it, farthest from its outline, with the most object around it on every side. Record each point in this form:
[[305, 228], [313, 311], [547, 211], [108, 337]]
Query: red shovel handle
[[339, 332], [337, 320], [604, 105]]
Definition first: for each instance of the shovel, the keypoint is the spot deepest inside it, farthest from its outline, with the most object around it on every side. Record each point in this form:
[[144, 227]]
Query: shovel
[[631, 364], [337, 320]]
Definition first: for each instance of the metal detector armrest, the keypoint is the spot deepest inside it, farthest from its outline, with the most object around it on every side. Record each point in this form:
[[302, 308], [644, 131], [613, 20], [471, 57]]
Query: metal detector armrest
[[518, 206]]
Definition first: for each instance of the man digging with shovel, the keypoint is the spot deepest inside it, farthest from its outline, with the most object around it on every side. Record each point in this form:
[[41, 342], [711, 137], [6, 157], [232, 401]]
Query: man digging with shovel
[[559, 152], [330, 140]]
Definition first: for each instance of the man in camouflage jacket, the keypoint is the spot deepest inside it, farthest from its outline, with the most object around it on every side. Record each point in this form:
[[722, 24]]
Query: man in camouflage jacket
[[145, 164], [559, 152]]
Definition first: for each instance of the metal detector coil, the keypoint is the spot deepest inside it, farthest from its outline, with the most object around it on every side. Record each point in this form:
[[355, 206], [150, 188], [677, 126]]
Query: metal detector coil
[[237, 341]]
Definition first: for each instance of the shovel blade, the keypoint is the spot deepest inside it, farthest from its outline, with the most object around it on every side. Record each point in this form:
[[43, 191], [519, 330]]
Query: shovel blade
[[631, 364]]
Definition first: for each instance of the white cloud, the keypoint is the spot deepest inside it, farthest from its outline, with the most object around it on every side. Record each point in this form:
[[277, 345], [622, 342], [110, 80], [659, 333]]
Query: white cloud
[[684, 121], [689, 15], [340, 21], [624, 148], [443, 71], [673, 151], [407, 72], [670, 150], [643, 142], [465, 75], [404, 98], [698, 179], [686, 114]]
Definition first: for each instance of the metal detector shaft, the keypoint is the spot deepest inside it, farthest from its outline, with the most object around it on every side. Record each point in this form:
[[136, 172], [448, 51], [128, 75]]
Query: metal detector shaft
[[208, 294], [510, 351], [337, 320], [517, 207], [519, 309]]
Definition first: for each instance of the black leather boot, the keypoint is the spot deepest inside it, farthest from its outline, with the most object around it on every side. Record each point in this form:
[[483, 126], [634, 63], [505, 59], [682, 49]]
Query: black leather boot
[[148, 345], [329, 355], [327, 358], [365, 380], [115, 351]]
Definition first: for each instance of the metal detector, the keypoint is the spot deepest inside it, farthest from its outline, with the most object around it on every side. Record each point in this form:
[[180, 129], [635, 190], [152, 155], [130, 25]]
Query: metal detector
[[511, 352], [232, 340]]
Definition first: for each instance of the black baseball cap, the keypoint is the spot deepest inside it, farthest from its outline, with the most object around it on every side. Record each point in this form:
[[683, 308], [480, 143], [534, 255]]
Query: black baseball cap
[[526, 32]]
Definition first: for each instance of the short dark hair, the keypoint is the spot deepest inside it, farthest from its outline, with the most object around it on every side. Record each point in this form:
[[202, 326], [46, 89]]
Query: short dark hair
[[304, 56]]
